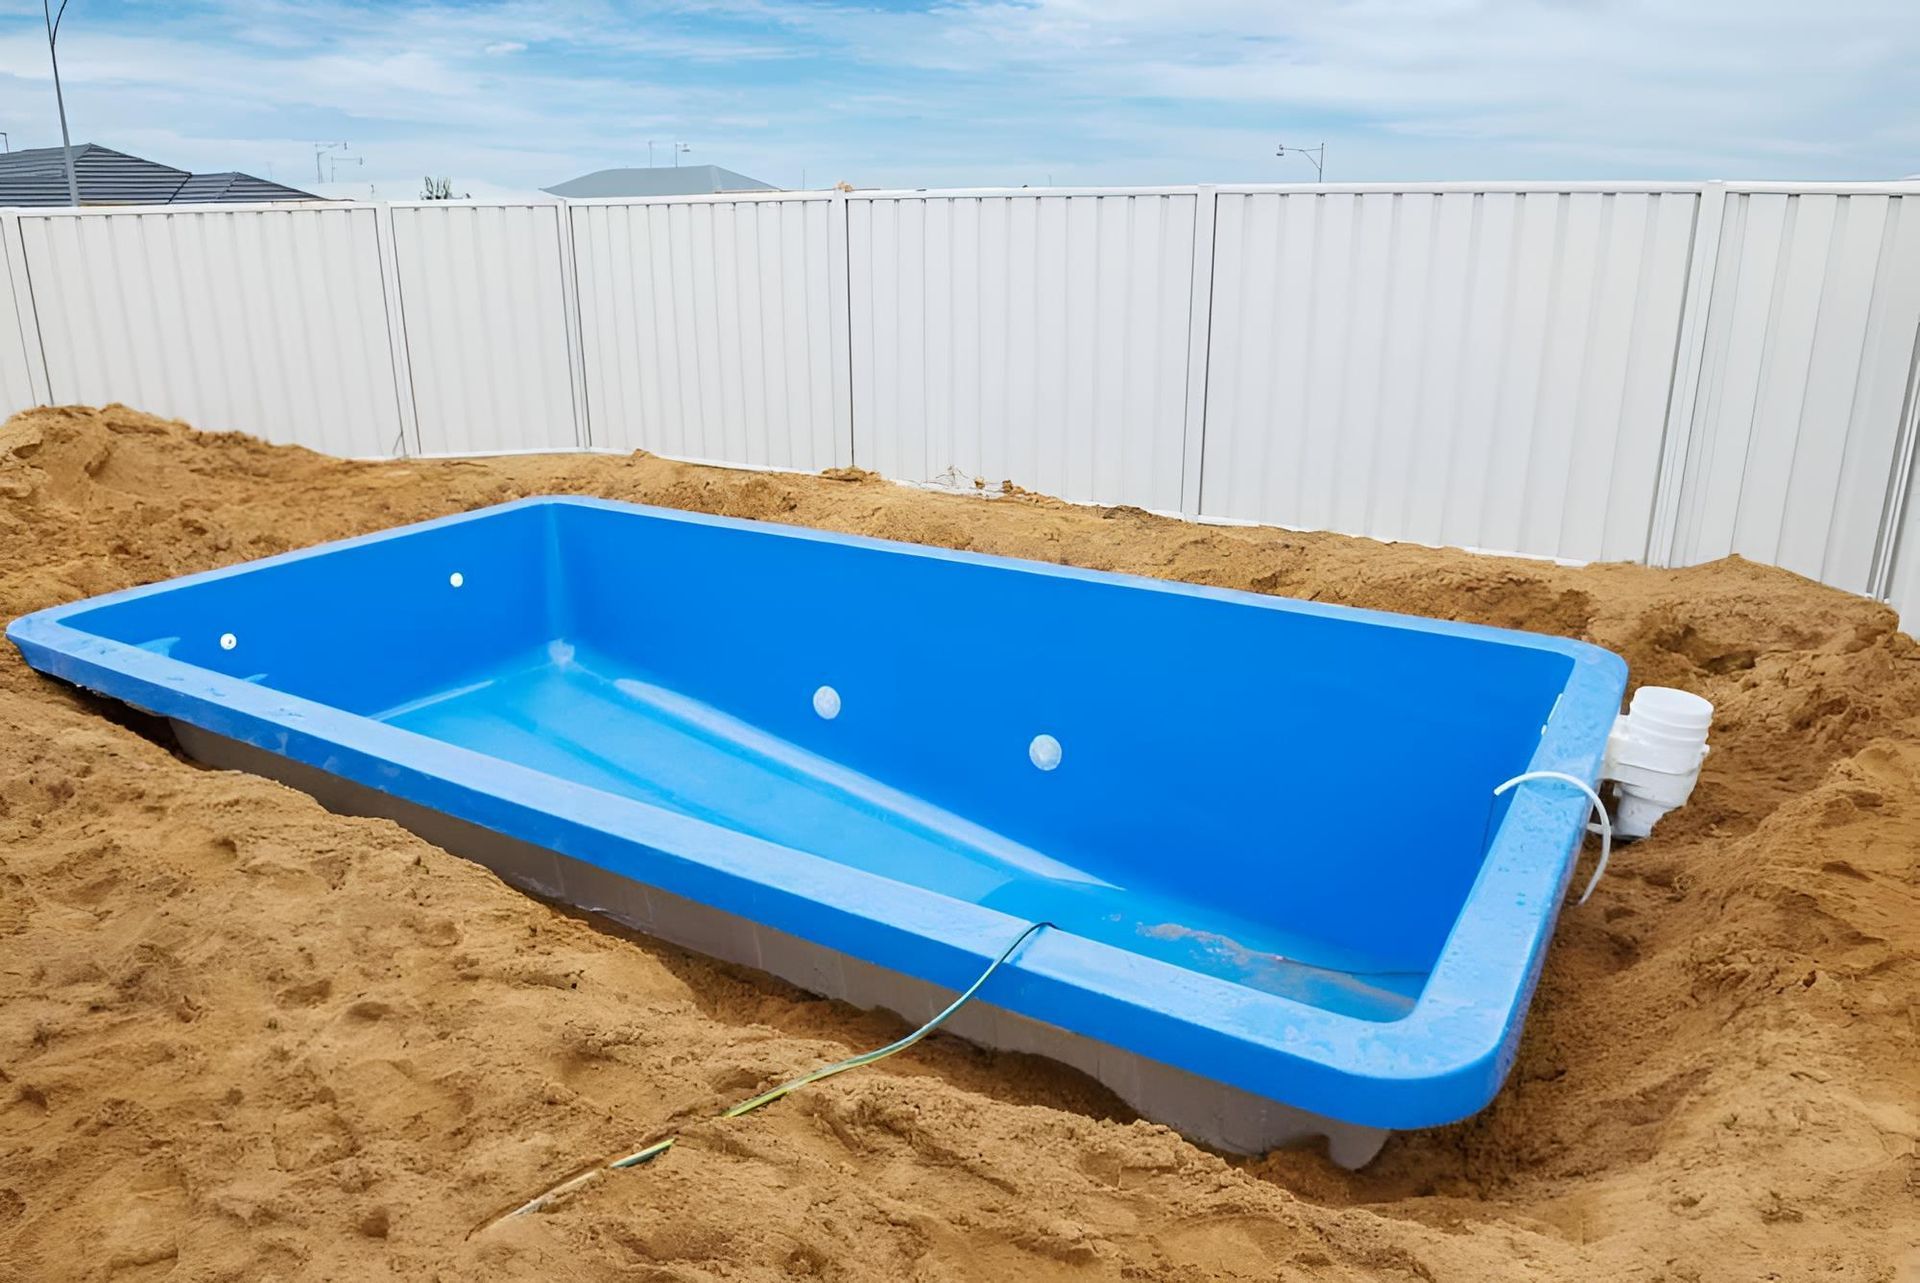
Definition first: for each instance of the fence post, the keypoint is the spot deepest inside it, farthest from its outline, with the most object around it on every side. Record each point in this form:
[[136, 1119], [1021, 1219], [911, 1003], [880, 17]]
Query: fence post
[[1683, 393], [1906, 459], [13, 256], [576, 340], [396, 326], [1199, 343], [840, 325]]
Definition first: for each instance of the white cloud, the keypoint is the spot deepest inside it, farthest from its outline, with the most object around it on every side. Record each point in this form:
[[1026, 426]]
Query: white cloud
[[969, 91]]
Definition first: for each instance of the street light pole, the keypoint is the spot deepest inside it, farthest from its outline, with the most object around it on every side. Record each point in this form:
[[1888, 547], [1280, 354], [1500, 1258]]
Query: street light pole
[[1318, 155], [66, 143], [319, 151]]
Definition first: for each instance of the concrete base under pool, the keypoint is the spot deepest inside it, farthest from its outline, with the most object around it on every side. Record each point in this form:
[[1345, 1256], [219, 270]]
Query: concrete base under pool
[[1212, 1113]]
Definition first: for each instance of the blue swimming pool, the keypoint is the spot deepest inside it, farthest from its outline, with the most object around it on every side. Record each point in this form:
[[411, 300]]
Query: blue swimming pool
[[1264, 830]]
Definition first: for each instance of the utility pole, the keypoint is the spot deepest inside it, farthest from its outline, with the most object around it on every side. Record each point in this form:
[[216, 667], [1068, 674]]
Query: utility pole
[[66, 143], [649, 153], [1318, 155]]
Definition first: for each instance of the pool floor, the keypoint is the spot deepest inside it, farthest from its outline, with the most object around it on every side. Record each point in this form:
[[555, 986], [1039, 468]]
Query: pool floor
[[571, 712]]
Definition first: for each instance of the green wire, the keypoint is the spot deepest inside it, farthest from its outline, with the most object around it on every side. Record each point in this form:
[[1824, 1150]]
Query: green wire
[[766, 1098], [870, 1057]]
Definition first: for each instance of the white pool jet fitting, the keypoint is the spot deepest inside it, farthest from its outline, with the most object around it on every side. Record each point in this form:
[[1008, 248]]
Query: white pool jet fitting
[[1654, 755]]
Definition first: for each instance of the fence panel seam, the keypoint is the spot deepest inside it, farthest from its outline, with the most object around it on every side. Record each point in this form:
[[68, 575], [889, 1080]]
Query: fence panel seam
[[571, 323], [1199, 351], [399, 342]]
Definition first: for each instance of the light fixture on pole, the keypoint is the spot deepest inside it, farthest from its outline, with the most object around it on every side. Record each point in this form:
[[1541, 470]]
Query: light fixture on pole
[[1318, 155], [677, 149], [66, 143]]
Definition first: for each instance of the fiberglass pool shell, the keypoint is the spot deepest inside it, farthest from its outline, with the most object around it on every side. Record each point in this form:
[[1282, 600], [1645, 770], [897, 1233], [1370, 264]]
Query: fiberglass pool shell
[[1264, 830]]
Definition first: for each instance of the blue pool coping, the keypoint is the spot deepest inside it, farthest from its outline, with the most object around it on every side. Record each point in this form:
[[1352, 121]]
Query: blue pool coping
[[1443, 1061]]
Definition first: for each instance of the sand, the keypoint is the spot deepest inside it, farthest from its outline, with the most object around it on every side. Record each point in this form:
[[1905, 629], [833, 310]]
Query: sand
[[243, 1038]]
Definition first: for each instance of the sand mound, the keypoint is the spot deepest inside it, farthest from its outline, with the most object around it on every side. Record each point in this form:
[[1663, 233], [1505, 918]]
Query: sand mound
[[242, 1038]]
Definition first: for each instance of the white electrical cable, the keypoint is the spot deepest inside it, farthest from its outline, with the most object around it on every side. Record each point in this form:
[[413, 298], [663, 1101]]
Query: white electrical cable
[[1605, 829]]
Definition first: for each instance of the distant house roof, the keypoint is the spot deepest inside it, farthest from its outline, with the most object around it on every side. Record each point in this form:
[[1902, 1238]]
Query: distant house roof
[[232, 188], [660, 180], [37, 176]]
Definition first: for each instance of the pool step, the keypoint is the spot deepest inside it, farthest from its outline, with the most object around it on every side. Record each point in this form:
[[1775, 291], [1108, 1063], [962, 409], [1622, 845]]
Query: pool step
[[569, 715]]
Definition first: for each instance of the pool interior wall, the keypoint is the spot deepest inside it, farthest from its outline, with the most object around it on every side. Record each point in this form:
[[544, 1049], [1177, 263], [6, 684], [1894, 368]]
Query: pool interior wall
[[1296, 803]]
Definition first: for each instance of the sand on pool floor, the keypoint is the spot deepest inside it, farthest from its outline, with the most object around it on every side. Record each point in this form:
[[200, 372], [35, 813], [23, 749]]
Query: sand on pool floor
[[244, 1038]]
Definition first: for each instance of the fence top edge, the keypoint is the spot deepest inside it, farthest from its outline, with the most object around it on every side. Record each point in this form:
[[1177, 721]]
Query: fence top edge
[[1895, 186], [1886, 187], [1683, 187], [1283, 189], [936, 193], [216, 207], [699, 198]]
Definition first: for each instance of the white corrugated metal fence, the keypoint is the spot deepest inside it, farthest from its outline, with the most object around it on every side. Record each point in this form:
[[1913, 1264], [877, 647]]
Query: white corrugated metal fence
[[1033, 337], [1797, 436], [1480, 368], [486, 311], [271, 320], [1654, 372], [717, 329]]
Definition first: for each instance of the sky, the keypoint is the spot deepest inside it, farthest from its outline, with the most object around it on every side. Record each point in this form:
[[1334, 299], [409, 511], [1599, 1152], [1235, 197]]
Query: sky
[[509, 97]]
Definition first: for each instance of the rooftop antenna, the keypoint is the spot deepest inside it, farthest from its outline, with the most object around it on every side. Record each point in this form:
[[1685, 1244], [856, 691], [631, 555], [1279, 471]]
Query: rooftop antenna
[[1318, 155], [59, 100]]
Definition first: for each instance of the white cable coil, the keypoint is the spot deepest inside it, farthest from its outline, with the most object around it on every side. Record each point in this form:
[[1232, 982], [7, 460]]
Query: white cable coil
[[1604, 829]]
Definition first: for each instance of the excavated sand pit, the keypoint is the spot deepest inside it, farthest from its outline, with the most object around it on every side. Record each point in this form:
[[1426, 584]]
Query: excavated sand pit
[[244, 1038]]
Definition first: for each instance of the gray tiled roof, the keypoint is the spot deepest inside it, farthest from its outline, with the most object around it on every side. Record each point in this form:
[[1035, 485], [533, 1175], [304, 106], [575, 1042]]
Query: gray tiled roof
[[36, 176], [232, 187], [660, 180]]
